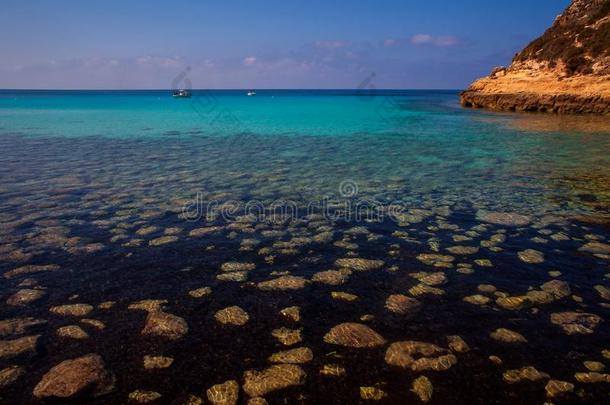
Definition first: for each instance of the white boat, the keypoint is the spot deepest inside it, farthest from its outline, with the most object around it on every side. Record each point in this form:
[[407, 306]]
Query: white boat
[[181, 93], [251, 93]]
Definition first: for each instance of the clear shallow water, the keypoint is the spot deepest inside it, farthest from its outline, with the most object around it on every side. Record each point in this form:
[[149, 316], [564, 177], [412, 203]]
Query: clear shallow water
[[153, 113], [416, 139], [96, 183]]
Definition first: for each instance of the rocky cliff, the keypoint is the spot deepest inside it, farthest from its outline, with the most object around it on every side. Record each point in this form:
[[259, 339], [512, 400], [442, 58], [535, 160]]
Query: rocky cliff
[[566, 70]]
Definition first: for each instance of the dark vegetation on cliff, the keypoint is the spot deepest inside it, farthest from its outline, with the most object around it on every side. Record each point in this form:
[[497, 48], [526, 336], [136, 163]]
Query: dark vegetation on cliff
[[579, 37]]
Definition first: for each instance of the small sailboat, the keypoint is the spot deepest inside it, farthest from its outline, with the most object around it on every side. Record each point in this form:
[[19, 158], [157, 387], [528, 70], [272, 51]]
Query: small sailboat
[[251, 93], [182, 93]]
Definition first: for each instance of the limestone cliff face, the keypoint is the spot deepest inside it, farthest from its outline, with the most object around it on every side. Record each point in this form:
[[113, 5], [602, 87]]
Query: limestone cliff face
[[566, 70]]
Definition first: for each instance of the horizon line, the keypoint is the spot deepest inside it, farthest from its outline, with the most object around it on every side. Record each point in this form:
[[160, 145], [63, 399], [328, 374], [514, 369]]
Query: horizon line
[[241, 89]]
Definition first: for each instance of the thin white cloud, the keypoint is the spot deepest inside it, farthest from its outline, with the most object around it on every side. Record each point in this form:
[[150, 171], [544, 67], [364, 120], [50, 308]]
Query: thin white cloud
[[447, 40], [330, 44], [250, 60], [427, 39], [421, 39], [326, 63], [160, 61], [98, 62]]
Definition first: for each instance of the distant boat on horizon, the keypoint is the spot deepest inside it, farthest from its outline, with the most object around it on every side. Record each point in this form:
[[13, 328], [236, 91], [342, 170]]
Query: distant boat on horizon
[[251, 93], [182, 93]]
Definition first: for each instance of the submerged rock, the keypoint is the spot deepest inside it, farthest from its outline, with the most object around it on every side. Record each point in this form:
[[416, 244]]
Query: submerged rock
[[557, 388], [423, 289], [576, 322], [147, 230], [292, 313], [95, 323], [346, 245], [354, 335], [154, 362], [277, 377], [332, 370], [77, 310], [226, 393], [143, 396], [477, 299], [495, 360], [30, 269], [401, 304], [287, 337], [331, 277], [283, 283], [299, 355], [504, 218], [372, 393], [204, 231], [148, 305], [560, 236], [324, 237], [232, 316], [558, 289], [431, 279], [28, 282], [540, 297], [17, 347], [594, 366], [498, 238], [172, 231], [525, 373], [513, 303], [359, 264], [80, 378], [24, 297], [237, 276], [507, 336], [461, 238], [133, 243], [72, 331], [422, 387], [343, 296], [200, 292], [596, 248], [483, 262], [531, 256], [457, 344], [18, 326], [237, 266], [604, 292], [463, 250], [163, 240], [592, 378], [436, 260], [487, 288], [257, 401], [159, 323], [419, 356], [10, 374]]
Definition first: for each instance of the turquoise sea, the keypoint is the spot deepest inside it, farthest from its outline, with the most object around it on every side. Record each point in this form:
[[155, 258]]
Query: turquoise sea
[[386, 224]]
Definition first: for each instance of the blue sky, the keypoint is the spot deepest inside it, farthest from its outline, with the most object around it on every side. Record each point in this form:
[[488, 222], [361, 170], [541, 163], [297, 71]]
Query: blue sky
[[138, 44]]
